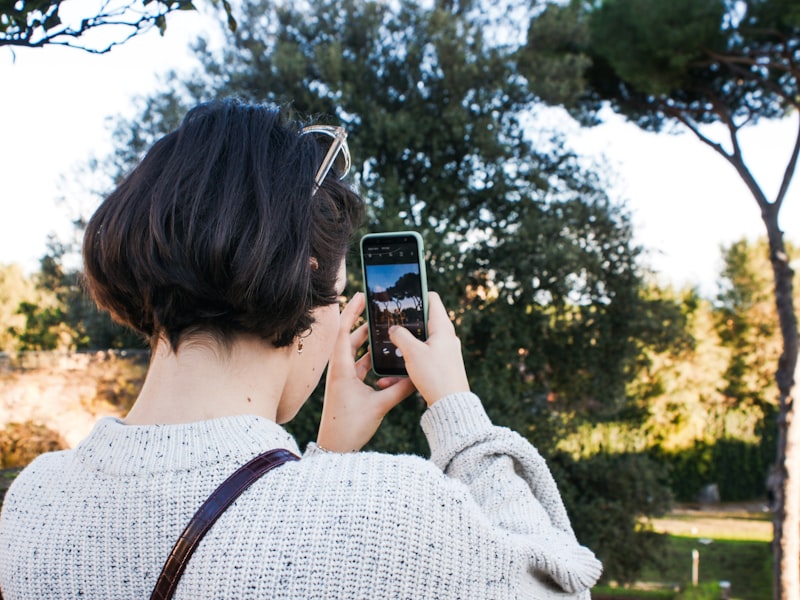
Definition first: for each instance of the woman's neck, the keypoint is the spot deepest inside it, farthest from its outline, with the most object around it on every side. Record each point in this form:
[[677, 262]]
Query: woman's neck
[[206, 380]]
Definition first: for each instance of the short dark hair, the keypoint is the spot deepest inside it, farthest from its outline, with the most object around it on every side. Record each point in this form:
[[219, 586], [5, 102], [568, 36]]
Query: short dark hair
[[215, 230]]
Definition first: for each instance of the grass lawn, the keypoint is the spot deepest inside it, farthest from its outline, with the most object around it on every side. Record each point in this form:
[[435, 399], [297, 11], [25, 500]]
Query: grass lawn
[[733, 544]]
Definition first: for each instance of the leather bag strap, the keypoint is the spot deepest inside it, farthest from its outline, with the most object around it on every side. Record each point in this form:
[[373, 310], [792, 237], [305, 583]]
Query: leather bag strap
[[209, 512]]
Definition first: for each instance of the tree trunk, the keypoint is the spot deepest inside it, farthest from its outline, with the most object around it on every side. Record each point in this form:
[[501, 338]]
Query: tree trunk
[[786, 525]]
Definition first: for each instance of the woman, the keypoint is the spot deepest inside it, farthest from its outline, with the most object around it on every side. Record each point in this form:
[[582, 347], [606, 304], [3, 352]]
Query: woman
[[225, 247]]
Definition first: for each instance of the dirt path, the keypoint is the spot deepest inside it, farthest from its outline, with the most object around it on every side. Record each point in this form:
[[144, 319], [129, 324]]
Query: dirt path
[[729, 521]]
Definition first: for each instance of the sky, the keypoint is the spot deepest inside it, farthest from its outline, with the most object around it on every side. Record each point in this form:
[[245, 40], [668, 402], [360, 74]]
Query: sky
[[57, 103], [382, 277]]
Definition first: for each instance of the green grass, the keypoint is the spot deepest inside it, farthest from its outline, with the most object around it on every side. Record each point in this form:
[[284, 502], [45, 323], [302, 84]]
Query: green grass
[[602, 592], [746, 564], [736, 549]]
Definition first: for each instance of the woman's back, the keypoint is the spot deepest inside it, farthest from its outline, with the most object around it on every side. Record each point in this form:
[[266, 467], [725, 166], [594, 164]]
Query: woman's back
[[100, 520]]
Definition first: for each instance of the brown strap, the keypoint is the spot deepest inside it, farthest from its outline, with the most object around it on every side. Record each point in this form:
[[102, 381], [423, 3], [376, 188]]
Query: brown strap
[[208, 513]]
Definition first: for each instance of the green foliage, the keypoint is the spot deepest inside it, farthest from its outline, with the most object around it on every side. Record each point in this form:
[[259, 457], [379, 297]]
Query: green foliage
[[44, 328], [747, 324], [704, 393], [742, 66], [15, 288], [734, 63], [614, 592], [7, 477], [553, 60], [662, 41], [61, 316], [433, 111], [703, 591], [691, 61], [737, 467], [606, 497], [668, 375]]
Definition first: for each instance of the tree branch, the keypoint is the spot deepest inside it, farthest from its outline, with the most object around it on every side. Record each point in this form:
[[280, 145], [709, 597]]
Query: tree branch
[[791, 166], [735, 157], [37, 26]]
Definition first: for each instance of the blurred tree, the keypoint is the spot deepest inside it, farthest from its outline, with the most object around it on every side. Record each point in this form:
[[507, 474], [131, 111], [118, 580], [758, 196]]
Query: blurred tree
[[15, 288], [689, 63], [44, 328], [435, 114], [533, 258], [63, 316], [704, 403], [40, 323], [748, 324], [37, 23], [679, 383]]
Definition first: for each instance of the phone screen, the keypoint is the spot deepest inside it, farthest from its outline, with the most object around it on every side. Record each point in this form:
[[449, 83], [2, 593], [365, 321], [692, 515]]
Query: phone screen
[[394, 279]]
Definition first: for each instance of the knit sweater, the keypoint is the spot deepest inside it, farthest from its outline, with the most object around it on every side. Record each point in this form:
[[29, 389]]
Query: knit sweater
[[481, 519]]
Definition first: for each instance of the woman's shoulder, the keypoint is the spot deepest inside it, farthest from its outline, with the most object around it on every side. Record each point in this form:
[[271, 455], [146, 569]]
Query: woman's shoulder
[[48, 462], [369, 465], [365, 472], [44, 471], [398, 494]]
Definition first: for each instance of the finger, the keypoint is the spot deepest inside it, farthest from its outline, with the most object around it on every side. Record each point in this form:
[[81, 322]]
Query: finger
[[352, 311], [438, 319], [363, 365], [402, 338], [347, 319], [395, 393], [385, 382], [358, 336]]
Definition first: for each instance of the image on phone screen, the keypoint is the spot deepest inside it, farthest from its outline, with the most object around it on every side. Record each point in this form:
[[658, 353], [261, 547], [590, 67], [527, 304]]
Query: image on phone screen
[[393, 274]]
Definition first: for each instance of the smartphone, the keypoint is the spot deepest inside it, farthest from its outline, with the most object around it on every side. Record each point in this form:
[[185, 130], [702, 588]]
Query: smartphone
[[397, 294]]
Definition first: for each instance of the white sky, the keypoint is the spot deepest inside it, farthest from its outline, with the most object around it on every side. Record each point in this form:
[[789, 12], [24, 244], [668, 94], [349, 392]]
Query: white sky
[[687, 201], [55, 102]]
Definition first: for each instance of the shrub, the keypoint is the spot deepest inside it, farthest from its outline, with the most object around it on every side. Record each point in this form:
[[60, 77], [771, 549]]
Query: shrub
[[609, 498], [20, 443]]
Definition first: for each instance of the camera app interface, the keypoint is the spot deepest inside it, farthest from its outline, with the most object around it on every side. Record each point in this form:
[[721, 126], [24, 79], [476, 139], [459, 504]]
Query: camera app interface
[[394, 297]]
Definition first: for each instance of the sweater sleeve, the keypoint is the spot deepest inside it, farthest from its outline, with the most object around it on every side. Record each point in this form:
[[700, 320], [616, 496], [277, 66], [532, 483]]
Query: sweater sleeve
[[512, 484]]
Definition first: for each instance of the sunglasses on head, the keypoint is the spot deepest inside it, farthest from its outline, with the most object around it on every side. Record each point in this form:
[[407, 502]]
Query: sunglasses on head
[[337, 157]]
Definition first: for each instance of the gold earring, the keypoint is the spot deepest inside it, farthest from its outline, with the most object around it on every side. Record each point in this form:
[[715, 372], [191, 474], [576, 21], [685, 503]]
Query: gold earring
[[300, 339]]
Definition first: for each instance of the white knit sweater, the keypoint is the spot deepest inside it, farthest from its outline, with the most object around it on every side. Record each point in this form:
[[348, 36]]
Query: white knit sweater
[[482, 519]]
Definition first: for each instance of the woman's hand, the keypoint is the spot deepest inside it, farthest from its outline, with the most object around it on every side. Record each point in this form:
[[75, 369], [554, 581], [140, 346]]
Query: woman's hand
[[352, 410], [436, 366]]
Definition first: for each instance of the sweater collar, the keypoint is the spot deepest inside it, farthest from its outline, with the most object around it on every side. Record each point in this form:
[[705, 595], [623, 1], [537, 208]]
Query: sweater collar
[[117, 448]]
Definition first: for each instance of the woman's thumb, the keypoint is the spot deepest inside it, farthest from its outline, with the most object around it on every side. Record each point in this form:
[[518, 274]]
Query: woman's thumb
[[402, 338]]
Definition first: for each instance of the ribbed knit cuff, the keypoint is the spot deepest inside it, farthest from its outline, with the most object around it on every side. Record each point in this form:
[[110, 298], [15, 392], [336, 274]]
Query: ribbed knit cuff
[[453, 423]]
